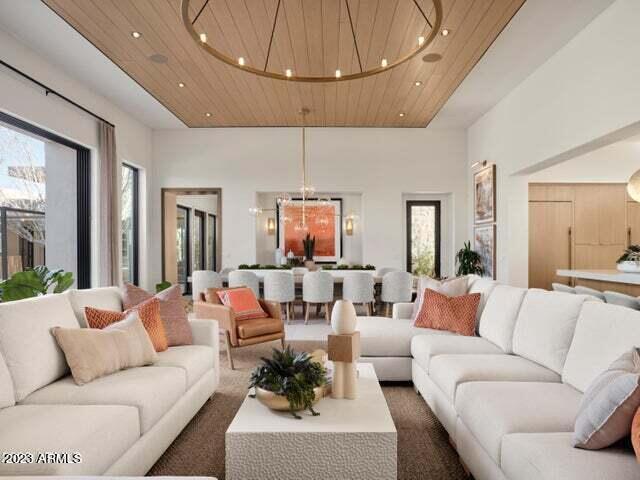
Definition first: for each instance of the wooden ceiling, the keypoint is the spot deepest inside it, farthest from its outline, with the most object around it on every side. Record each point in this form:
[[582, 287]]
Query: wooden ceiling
[[311, 37]]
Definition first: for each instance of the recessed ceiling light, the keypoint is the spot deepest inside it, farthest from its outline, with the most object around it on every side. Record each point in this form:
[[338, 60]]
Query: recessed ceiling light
[[208, 114], [288, 73], [384, 63], [338, 73], [241, 61], [203, 37], [417, 83], [420, 40], [136, 34], [402, 114], [445, 32], [181, 85]]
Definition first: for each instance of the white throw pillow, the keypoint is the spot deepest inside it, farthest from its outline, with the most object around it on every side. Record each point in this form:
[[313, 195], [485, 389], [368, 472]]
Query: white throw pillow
[[452, 287], [499, 316], [7, 394]]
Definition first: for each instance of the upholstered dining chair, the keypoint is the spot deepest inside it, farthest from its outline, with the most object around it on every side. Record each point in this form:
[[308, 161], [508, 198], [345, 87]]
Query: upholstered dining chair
[[358, 287], [317, 289], [279, 287], [561, 287], [242, 278], [621, 299], [381, 272], [241, 333], [580, 290], [397, 287], [203, 279]]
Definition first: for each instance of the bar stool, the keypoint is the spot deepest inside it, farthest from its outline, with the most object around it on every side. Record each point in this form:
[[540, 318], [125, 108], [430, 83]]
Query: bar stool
[[590, 291], [280, 287], [241, 278], [358, 287], [621, 299], [396, 288], [317, 288], [561, 287], [203, 279]]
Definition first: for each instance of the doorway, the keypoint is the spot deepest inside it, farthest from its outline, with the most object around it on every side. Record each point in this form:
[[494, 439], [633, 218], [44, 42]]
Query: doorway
[[423, 237]]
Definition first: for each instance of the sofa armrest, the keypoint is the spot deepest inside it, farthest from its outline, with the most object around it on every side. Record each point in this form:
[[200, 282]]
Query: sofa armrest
[[207, 332], [273, 309], [402, 310], [224, 315]]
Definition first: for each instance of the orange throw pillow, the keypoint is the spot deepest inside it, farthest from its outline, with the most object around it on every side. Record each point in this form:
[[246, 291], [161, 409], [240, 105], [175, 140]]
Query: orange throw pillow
[[455, 314], [635, 434], [243, 302], [149, 313]]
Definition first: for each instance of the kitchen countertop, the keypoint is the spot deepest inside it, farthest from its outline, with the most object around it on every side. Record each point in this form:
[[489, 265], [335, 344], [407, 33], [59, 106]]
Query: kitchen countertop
[[610, 275]]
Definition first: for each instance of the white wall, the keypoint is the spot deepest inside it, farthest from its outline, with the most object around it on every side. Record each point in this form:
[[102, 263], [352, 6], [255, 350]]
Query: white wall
[[22, 99], [379, 164], [581, 98]]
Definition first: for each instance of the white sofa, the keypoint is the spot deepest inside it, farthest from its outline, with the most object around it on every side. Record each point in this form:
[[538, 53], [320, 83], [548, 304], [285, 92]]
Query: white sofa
[[508, 398], [119, 424]]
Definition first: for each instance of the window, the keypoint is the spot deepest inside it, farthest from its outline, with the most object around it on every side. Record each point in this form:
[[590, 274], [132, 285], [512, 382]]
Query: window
[[183, 249], [198, 240], [45, 201], [129, 195], [211, 242], [423, 237]]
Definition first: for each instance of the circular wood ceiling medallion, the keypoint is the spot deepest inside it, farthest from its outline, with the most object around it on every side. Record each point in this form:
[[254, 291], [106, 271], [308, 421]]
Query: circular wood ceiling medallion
[[431, 30]]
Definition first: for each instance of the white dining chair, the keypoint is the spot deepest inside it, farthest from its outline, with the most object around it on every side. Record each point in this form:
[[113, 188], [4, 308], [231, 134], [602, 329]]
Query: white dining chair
[[358, 287], [580, 290], [243, 278], [381, 272], [561, 287], [397, 287], [280, 287], [616, 298], [203, 279], [317, 289], [299, 270]]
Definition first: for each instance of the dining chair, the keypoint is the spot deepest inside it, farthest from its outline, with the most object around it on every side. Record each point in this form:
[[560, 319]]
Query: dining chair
[[580, 290], [358, 287], [381, 272], [561, 287], [616, 298], [279, 287], [242, 278], [397, 287], [317, 289], [203, 279]]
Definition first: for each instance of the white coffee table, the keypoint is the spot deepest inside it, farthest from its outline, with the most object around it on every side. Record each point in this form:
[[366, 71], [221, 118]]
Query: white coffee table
[[354, 439]]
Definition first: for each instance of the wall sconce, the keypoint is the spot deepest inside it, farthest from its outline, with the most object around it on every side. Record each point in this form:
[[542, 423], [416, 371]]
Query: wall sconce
[[348, 226], [271, 226]]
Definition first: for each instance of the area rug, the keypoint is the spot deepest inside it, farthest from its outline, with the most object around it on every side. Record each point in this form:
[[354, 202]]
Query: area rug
[[423, 449]]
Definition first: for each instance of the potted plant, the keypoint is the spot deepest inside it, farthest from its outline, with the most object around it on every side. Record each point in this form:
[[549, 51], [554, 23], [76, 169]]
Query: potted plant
[[630, 260], [34, 282], [309, 246], [469, 261], [289, 381]]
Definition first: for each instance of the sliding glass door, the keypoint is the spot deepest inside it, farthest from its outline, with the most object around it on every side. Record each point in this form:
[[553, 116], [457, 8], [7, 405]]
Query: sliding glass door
[[183, 249], [129, 223], [423, 237]]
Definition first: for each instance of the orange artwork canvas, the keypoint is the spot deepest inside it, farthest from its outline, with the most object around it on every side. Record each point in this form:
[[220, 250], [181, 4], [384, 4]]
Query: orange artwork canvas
[[323, 223]]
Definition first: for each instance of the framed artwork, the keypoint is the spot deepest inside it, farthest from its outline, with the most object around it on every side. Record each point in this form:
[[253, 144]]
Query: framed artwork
[[484, 188], [484, 242], [323, 221]]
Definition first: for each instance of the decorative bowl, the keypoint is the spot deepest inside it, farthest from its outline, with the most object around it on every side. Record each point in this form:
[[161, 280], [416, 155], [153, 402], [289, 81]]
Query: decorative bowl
[[280, 402], [629, 267]]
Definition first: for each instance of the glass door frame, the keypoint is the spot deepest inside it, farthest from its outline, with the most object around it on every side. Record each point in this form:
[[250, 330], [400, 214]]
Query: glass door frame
[[409, 204], [135, 277], [211, 221], [187, 243], [200, 216]]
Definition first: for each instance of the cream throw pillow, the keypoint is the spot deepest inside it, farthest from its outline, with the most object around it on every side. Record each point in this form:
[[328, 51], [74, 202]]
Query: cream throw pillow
[[92, 353], [451, 287]]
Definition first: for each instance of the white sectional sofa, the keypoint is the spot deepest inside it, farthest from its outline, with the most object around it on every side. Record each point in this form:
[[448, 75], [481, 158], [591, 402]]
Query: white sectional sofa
[[119, 424], [508, 398]]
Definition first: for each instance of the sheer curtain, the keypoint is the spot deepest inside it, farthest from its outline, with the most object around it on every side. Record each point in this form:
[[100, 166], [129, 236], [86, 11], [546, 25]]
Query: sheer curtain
[[108, 205]]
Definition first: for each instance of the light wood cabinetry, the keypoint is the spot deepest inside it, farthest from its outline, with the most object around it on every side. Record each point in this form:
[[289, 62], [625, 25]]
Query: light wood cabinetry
[[602, 219]]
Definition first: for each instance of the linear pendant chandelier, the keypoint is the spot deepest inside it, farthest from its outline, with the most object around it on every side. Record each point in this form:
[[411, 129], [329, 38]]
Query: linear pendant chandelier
[[428, 34]]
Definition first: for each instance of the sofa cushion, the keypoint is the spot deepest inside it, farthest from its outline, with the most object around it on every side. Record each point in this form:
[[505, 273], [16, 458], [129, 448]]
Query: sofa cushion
[[491, 410], [153, 390], [101, 434], [545, 327], [499, 316], [450, 371], [30, 351], [105, 298], [256, 327], [195, 360], [483, 286], [603, 333], [550, 456], [7, 393], [425, 347], [386, 337]]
